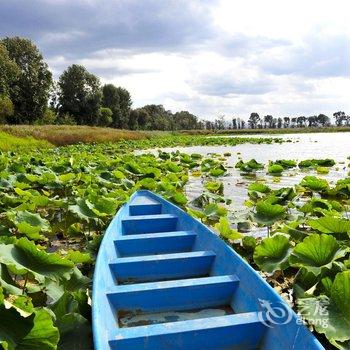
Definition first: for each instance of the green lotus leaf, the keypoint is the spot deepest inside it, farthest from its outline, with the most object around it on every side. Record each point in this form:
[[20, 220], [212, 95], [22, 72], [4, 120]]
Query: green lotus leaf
[[217, 171], [223, 227], [29, 224], [327, 224], [173, 167], [249, 243], [275, 169], [286, 163], [314, 204], [178, 198], [272, 253], [147, 183], [314, 183], [259, 187], [249, 166], [12, 335], [82, 210], [330, 315], [340, 345], [78, 257], [214, 212], [316, 253], [7, 282], [75, 332], [43, 336], [215, 187], [281, 196], [266, 214], [25, 256]]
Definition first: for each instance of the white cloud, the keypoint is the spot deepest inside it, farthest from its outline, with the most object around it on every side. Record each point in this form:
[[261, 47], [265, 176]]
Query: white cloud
[[209, 57]]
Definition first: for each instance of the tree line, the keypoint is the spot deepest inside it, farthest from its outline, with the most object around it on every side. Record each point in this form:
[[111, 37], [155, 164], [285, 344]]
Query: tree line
[[28, 95], [270, 122]]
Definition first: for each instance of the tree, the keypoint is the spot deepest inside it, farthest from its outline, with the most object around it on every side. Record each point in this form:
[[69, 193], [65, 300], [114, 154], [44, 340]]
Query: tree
[[80, 95], [234, 123], [286, 121], [124, 107], [339, 118], [9, 71], [30, 91], [312, 121], [184, 120], [118, 100], [268, 121], [301, 121], [6, 108], [134, 119], [323, 120], [279, 123], [105, 116], [254, 120]]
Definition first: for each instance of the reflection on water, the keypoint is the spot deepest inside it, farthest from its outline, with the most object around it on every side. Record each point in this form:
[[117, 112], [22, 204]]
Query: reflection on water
[[304, 146]]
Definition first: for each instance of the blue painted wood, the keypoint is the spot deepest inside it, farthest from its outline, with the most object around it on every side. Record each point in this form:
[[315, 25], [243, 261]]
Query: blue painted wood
[[155, 243], [184, 294], [162, 267], [149, 225], [227, 332]]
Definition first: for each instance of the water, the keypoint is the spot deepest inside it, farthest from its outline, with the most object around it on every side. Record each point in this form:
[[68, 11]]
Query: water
[[303, 146]]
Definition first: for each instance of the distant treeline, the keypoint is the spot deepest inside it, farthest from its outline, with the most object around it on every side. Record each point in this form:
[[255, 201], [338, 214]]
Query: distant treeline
[[28, 95], [270, 122]]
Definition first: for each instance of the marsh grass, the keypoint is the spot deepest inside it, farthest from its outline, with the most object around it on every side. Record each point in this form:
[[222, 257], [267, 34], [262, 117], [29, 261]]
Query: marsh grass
[[12, 143], [60, 135]]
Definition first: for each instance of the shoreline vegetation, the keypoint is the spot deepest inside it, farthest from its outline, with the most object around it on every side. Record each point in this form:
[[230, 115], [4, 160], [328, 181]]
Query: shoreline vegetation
[[28, 136], [14, 137], [302, 130]]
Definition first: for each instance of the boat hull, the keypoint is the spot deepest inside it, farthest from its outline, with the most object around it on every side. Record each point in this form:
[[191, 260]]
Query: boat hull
[[163, 280]]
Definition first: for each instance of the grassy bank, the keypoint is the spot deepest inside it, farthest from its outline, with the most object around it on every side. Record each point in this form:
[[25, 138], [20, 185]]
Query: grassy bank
[[268, 131], [60, 135], [12, 143]]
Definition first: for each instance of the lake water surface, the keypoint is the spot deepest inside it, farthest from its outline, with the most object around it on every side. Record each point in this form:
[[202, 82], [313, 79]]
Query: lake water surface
[[303, 146]]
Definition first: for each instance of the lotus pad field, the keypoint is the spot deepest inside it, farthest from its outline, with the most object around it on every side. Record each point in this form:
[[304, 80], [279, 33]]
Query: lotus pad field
[[55, 204]]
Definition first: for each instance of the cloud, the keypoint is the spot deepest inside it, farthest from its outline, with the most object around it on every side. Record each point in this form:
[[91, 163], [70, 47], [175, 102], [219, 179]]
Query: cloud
[[81, 27], [317, 56], [226, 85], [211, 57]]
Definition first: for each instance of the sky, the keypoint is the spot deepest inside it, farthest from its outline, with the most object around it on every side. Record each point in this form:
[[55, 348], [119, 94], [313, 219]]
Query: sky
[[210, 57]]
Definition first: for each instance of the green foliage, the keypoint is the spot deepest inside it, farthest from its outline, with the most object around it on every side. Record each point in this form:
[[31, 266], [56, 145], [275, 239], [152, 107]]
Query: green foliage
[[314, 183], [250, 166], [80, 95], [275, 169], [9, 71], [317, 253], [118, 100], [273, 253], [223, 227], [335, 322], [266, 213], [335, 226], [34, 77], [105, 116], [56, 203], [6, 108]]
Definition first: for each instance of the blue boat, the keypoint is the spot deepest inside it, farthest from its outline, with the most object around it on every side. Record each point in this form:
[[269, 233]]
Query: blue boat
[[163, 280]]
